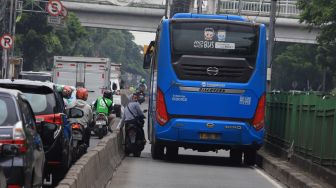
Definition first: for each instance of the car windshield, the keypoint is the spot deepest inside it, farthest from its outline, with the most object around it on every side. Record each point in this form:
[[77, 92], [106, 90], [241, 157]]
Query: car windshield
[[41, 103], [8, 115]]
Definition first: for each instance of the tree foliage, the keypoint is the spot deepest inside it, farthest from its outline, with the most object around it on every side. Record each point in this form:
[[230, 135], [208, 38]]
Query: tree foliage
[[38, 43], [296, 68], [322, 14]]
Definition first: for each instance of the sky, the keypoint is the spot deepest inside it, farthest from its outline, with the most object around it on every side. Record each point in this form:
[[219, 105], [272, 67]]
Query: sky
[[142, 38]]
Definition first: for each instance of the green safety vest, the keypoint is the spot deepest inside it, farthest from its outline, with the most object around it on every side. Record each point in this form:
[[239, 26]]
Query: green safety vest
[[101, 106]]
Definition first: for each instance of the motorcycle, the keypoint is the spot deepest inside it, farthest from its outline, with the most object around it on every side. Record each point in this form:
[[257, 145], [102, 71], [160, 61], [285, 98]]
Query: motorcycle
[[134, 139], [78, 134], [101, 125]]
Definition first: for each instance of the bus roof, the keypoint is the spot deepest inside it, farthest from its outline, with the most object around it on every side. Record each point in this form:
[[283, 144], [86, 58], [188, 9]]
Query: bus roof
[[209, 16]]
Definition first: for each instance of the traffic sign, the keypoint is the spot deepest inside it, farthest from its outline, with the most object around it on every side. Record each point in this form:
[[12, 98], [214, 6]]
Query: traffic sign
[[6, 41], [64, 12], [56, 21], [54, 7]]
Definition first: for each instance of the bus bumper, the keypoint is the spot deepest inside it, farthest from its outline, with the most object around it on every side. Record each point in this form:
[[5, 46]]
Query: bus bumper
[[209, 134]]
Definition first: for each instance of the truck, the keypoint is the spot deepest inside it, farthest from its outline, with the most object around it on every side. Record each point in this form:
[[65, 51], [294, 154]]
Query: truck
[[93, 73]]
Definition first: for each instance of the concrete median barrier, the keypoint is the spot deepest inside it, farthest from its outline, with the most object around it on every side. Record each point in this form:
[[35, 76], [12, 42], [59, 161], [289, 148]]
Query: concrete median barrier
[[96, 168]]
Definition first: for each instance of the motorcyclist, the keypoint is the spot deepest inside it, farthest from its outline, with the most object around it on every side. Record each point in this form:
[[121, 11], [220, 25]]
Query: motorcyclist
[[142, 87], [105, 105], [87, 119], [65, 92], [133, 113]]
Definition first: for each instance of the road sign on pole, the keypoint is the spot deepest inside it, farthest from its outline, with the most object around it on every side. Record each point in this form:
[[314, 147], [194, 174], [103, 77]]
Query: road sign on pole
[[64, 12], [54, 7], [6, 41], [56, 21]]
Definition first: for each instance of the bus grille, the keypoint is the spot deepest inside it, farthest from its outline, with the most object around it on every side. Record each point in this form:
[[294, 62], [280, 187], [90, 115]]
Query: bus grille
[[238, 71]]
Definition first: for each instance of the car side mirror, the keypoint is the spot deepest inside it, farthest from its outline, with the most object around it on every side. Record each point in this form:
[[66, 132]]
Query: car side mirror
[[9, 150]]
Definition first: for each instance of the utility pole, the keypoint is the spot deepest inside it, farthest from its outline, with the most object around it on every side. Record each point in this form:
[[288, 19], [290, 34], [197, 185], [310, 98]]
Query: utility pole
[[239, 6], [271, 36], [212, 7], [199, 6], [271, 33], [168, 8]]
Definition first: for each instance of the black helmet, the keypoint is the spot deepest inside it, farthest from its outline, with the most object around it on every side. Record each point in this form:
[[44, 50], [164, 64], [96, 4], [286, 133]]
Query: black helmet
[[136, 94], [107, 94]]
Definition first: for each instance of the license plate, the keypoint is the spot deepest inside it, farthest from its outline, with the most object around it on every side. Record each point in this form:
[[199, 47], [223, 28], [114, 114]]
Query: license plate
[[77, 137], [100, 126], [209, 136], [100, 122]]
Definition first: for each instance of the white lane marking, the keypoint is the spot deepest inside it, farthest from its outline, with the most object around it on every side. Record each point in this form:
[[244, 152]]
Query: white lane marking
[[272, 181]]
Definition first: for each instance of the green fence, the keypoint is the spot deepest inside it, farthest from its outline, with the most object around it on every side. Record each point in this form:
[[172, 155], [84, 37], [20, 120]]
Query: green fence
[[305, 122]]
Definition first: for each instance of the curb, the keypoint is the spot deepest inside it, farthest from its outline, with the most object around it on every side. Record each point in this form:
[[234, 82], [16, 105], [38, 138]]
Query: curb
[[287, 173], [96, 167]]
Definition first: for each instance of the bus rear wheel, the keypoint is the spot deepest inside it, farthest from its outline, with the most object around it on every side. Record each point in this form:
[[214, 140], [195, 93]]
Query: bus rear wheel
[[250, 157], [172, 152], [157, 151], [236, 156]]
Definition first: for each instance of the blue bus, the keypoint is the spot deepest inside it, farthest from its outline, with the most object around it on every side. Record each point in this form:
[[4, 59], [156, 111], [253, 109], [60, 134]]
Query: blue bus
[[207, 86]]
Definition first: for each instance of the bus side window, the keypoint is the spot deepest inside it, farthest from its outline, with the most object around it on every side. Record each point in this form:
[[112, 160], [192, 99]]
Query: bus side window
[[157, 47]]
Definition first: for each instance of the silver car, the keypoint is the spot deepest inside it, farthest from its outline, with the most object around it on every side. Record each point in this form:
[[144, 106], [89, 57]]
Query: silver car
[[21, 151]]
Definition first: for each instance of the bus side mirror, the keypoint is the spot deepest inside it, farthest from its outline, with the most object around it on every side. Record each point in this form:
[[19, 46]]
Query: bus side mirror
[[148, 51], [147, 61]]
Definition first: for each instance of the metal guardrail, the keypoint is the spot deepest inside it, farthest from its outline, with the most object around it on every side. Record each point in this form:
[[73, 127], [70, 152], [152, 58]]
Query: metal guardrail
[[155, 4], [286, 8], [303, 124]]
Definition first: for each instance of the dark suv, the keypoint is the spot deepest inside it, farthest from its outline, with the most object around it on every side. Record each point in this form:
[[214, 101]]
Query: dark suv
[[52, 123], [21, 150]]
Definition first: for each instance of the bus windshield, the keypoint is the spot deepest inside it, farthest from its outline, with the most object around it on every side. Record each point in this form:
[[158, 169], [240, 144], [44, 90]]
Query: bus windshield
[[214, 39]]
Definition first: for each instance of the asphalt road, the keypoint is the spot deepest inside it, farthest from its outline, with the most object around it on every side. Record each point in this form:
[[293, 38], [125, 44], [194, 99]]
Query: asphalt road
[[94, 140], [191, 170]]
